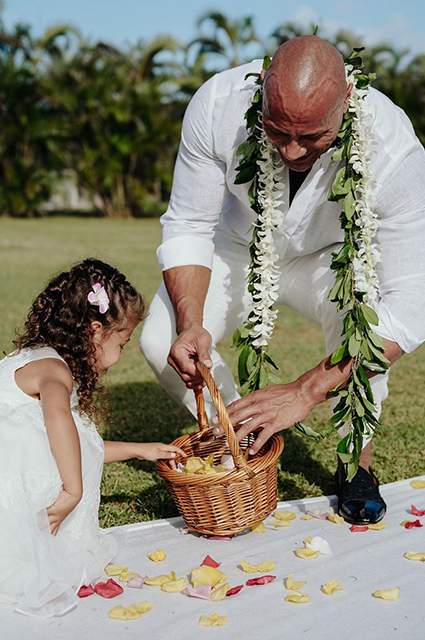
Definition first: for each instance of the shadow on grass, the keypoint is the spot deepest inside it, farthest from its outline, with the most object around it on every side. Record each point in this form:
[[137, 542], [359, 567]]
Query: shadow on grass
[[144, 412]]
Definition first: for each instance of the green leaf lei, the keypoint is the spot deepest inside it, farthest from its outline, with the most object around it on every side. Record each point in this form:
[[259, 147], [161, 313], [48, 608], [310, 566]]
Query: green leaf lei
[[355, 406]]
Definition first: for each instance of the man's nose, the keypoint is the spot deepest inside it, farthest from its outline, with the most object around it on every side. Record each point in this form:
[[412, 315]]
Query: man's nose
[[293, 150]]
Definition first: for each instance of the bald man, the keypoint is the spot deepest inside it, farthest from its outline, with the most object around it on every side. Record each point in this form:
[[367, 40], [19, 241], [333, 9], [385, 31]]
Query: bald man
[[208, 227]]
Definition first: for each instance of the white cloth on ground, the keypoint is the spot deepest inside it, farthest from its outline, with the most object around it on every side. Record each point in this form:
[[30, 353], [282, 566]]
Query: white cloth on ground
[[41, 573]]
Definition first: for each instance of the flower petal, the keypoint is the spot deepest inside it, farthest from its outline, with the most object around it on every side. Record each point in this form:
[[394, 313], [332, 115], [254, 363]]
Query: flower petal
[[209, 562], [157, 581], [279, 523], [85, 591], [220, 591], [268, 565], [297, 597], [174, 586], [417, 484], [234, 590], [378, 526], [136, 583], [126, 575], [213, 621], [260, 580], [410, 524], [108, 589], [122, 613], [417, 512], [387, 594], [356, 528], [413, 555], [331, 586], [203, 591], [206, 575], [337, 519], [258, 528], [284, 515], [158, 556], [115, 570], [307, 516], [306, 554], [319, 544], [294, 585]]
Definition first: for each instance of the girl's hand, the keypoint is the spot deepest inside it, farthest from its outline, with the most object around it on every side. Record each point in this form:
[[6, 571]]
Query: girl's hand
[[60, 509], [156, 451]]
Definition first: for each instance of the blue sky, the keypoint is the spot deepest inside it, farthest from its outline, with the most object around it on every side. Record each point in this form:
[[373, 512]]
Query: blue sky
[[400, 23]]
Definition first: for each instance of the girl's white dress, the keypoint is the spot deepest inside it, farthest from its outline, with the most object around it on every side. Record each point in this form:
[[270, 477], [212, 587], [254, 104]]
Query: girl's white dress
[[41, 573]]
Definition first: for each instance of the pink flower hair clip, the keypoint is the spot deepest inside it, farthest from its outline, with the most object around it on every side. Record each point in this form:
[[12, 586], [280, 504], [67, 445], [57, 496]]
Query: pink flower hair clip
[[99, 298]]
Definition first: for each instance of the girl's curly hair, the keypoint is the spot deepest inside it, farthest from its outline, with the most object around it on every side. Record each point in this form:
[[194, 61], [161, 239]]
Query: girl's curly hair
[[61, 317]]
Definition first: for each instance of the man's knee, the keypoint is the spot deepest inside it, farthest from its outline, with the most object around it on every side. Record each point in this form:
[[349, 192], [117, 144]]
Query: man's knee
[[154, 343]]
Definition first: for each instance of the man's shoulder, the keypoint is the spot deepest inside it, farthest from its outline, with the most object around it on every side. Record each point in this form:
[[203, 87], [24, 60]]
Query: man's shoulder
[[233, 79]]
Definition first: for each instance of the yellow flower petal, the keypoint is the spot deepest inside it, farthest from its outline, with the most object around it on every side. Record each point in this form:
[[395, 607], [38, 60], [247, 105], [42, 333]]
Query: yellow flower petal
[[388, 594], [336, 518], [206, 575], [258, 528], [263, 567], [158, 581], [307, 516], [306, 554], [126, 575], [115, 570], [413, 555], [219, 592], [293, 585], [331, 586], [378, 526], [140, 607], [158, 556], [417, 484], [284, 515], [213, 621], [122, 613], [308, 540], [279, 523], [174, 586], [297, 597]]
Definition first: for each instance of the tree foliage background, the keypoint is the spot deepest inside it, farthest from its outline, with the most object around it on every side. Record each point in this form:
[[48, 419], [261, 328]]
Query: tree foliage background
[[112, 116]]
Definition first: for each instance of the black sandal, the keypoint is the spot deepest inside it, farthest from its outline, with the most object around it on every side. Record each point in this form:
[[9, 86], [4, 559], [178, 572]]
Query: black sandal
[[359, 501]]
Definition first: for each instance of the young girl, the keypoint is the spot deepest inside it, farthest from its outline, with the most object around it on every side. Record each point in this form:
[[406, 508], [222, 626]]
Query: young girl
[[51, 455]]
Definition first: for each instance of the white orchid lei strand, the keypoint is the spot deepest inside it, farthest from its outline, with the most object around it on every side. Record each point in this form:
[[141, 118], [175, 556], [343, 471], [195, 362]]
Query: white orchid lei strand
[[356, 281]]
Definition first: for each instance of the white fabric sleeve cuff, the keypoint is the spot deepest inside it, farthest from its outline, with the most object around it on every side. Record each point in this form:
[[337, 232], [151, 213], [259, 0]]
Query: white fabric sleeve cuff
[[184, 250], [391, 329]]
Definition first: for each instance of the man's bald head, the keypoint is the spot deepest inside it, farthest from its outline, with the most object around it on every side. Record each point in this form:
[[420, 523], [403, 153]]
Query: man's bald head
[[305, 93]]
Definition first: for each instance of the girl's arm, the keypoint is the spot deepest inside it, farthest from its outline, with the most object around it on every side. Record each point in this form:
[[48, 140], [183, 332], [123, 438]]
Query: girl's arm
[[116, 451], [51, 380]]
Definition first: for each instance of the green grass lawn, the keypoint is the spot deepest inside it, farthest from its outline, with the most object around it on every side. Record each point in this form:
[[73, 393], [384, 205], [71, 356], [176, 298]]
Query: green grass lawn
[[33, 250]]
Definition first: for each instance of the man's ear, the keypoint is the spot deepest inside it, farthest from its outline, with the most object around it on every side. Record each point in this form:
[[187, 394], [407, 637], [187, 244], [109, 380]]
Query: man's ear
[[347, 97]]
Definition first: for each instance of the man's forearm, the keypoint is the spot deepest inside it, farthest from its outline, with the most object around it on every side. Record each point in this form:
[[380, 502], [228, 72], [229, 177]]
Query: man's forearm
[[321, 380], [187, 287]]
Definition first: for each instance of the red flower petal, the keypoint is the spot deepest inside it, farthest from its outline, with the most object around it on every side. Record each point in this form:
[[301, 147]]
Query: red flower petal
[[262, 580], [234, 590], [209, 562], [416, 511], [85, 591], [413, 523], [357, 528], [108, 589]]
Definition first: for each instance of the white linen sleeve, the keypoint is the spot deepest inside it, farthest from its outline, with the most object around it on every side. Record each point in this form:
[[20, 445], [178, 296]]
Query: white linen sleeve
[[401, 234], [198, 192]]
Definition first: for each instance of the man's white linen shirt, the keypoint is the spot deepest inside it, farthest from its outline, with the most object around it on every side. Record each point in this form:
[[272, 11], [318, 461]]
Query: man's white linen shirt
[[204, 198]]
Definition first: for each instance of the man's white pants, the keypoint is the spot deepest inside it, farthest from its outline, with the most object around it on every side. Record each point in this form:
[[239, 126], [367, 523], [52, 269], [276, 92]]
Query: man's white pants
[[304, 285]]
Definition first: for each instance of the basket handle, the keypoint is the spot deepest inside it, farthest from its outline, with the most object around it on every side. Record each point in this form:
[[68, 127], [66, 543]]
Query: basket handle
[[223, 416]]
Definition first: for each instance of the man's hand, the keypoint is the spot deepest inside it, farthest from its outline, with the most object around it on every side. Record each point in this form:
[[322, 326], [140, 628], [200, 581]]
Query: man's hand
[[192, 345], [60, 509], [271, 409]]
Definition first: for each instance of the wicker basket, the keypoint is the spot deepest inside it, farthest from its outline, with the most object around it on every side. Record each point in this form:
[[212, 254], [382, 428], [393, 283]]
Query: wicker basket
[[228, 502]]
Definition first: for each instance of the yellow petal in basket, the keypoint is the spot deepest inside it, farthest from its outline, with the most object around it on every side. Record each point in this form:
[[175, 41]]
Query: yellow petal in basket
[[158, 556], [378, 526], [297, 597], [158, 581], [213, 621], [284, 515], [335, 518], [115, 570], [293, 585], [131, 612], [206, 575], [331, 586], [387, 594], [219, 592], [126, 575], [412, 555], [258, 528], [417, 484], [263, 567], [306, 554], [175, 586]]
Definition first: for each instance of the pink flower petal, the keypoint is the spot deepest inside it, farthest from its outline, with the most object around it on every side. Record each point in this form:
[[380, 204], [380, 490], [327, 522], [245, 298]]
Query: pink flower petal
[[108, 589], [85, 591], [97, 287], [417, 512], [318, 514], [136, 583], [209, 562], [202, 591], [234, 590], [261, 580], [355, 528], [219, 537], [91, 297]]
